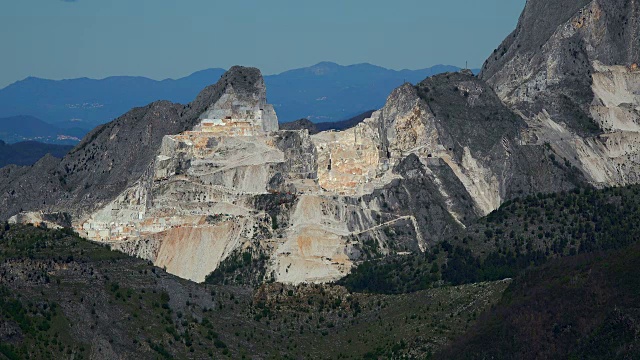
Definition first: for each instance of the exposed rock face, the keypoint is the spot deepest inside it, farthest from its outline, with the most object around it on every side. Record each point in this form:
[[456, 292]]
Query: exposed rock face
[[113, 156], [193, 208], [314, 128], [302, 124], [48, 220], [190, 187], [570, 69], [557, 105], [189, 210], [226, 182], [241, 112]]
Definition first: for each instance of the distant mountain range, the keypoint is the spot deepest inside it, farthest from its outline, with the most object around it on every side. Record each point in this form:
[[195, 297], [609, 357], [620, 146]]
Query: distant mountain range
[[324, 92], [29, 152], [28, 128], [472, 217], [328, 92], [315, 128]]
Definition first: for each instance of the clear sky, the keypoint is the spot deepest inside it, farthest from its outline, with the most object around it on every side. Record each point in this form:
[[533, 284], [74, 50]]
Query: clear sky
[[172, 38]]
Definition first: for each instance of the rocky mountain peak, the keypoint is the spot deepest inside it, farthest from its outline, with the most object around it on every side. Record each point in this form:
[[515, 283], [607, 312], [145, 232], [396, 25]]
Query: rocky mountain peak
[[245, 83], [238, 102], [469, 112], [570, 71], [537, 23], [103, 158], [548, 61], [214, 180], [605, 30]]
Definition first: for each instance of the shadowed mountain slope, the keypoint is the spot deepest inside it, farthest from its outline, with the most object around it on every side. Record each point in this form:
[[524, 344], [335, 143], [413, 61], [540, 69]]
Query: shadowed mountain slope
[[323, 92], [29, 152], [584, 307], [27, 128], [112, 156]]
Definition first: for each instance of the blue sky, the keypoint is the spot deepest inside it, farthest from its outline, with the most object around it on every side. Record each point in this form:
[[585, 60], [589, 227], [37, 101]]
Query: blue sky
[[173, 38]]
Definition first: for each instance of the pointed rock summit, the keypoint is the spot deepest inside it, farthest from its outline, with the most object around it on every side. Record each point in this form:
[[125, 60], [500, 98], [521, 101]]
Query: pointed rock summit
[[215, 181], [570, 69], [201, 188], [240, 103], [549, 61], [115, 155]]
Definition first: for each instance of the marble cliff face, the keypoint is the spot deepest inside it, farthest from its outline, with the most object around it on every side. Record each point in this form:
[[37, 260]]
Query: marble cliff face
[[570, 69], [556, 106], [313, 205]]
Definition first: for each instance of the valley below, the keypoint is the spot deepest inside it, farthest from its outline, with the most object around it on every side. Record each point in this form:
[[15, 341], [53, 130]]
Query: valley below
[[472, 216], [63, 296]]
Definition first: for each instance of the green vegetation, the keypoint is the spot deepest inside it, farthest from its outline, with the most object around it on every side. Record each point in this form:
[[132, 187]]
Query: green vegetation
[[245, 267], [574, 257], [523, 233], [581, 307], [64, 297], [41, 323]]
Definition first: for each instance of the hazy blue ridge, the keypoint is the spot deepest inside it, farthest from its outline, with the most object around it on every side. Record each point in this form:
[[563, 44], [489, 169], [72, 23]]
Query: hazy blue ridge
[[323, 92]]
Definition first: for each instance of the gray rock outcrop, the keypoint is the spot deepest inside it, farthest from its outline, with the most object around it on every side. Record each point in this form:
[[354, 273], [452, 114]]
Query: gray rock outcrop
[[570, 69], [220, 179], [189, 187]]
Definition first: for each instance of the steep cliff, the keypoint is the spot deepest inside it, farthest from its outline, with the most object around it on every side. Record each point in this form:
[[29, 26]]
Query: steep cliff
[[222, 181], [193, 187], [113, 156], [570, 70], [434, 159]]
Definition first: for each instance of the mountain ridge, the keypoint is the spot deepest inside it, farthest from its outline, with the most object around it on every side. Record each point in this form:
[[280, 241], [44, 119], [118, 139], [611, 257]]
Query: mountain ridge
[[436, 157], [411, 168], [27, 153], [216, 70], [28, 128], [86, 102], [455, 180], [98, 159], [575, 82]]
